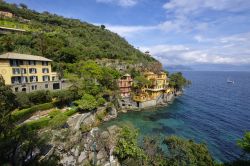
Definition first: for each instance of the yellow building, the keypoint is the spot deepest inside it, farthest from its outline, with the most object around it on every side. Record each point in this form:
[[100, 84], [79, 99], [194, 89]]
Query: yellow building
[[6, 14], [28, 72], [158, 86]]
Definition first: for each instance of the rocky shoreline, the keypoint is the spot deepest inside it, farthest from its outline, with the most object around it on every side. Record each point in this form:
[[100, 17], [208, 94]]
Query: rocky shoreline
[[83, 143]]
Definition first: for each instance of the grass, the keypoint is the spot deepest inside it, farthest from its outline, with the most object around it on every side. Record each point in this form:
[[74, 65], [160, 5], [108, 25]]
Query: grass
[[16, 25], [39, 124], [26, 113], [70, 112], [54, 119]]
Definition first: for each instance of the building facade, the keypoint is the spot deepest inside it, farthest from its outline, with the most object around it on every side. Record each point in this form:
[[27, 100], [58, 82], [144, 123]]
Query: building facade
[[157, 89], [125, 85], [27, 73], [6, 14]]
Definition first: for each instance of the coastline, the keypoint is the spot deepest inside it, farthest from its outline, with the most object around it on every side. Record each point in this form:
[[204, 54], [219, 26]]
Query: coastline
[[167, 99], [84, 130]]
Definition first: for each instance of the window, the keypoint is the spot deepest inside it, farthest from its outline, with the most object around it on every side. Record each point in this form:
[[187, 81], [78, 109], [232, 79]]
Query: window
[[46, 78], [34, 87], [33, 63], [16, 89], [45, 70], [14, 62], [45, 63], [24, 90], [32, 70], [56, 86], [24, 80], [16, 71], [46, 86], [21, 62], [23, 71], [33, 78], [15, 80]]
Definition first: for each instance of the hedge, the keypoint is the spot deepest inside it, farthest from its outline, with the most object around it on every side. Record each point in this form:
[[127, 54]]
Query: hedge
[[38, 124], [26, 113], [70, 112]]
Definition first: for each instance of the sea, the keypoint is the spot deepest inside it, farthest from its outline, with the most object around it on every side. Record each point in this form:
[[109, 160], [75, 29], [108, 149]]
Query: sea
[[210, 111]]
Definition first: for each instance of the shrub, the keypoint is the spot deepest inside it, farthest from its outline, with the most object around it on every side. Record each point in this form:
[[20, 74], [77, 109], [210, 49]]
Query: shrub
[[87, 103], [25, 113], [100, 116], [187, 152], [85, 128], [23, 100], [38, 124], [70, 112], [39, 97], [127, 146], [54, 113], [58, 121], [244, 143], [63, 97], [101, 101]]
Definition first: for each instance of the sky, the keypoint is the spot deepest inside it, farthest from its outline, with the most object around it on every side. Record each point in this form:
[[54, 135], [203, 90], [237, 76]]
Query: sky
[[209, 34]]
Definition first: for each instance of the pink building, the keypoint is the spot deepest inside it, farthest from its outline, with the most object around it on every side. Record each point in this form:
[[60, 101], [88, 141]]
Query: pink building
[[125, 84]]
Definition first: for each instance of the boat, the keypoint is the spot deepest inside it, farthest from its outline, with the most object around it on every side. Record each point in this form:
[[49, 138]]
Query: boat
[[230, 81]]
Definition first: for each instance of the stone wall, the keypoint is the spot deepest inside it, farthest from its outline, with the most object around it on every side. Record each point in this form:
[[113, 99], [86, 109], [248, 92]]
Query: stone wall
[[146, 104], [30, 87], [163, 99]]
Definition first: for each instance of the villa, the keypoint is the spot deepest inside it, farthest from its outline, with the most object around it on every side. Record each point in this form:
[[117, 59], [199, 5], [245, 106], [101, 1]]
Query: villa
[[125, 85], [6, 14], [157, 92], [27, 73]]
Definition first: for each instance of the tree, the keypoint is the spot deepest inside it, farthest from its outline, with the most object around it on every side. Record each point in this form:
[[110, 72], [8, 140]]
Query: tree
[[39, 97], [127, 149], [244, 159], [22, 5], [141, 81], [7, 42], [69, 55], [155, 154], [7, 105], [23, 100], [17, 144], [244, 143], [103, 27], [109, 77], [177, 81], [185, 152], [90, 70], [87, 103], [58, 121]]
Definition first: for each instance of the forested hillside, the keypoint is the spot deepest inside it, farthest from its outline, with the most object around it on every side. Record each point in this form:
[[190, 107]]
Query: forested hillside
[[62, 39]]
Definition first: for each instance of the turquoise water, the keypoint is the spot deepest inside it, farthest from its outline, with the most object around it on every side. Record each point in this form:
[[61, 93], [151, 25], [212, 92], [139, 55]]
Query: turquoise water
[[210, 111]]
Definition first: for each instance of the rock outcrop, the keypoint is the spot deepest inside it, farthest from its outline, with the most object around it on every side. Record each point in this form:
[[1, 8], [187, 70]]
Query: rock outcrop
[[94, 147]]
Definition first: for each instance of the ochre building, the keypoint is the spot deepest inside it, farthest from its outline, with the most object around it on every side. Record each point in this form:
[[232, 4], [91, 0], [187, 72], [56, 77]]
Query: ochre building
[[27, 73], [157, 88]]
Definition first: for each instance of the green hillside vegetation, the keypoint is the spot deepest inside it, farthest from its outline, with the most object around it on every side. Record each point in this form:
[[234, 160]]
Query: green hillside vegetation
[[63, 40], [13, 24]]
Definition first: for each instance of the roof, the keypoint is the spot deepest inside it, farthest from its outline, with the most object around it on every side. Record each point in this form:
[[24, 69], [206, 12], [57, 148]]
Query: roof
[[127, 75], [11, 55], [149, 73], [162, 73]]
